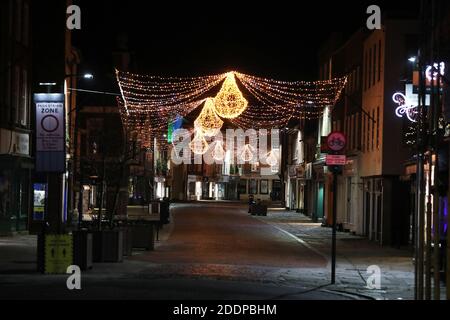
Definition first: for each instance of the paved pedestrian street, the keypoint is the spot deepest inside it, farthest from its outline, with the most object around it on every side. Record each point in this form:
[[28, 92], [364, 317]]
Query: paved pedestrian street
[[219, 251]]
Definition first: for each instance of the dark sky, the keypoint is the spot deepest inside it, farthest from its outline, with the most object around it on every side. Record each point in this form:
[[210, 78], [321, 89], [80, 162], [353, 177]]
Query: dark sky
[[273, 39]]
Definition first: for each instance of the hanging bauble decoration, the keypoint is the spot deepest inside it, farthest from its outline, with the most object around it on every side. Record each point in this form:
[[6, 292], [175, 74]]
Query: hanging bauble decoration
[[272, 159], [208, 121], [230, 102], [218, 153], [199, 145], [247, 153]]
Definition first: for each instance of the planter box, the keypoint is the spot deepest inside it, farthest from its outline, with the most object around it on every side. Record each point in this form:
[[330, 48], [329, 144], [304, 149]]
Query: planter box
[[108, 246], [143, 236], [127, 242], [83, 249], [258, 210]]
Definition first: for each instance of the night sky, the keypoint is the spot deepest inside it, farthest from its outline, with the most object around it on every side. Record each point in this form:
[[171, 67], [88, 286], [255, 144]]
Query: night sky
[[275, 39]]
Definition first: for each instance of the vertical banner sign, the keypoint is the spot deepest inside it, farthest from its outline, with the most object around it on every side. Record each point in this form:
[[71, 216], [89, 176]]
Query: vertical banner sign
[[50, 133]]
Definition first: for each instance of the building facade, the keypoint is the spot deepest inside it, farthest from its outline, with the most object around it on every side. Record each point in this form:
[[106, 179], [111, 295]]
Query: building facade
[[370, 184], [16, 164]]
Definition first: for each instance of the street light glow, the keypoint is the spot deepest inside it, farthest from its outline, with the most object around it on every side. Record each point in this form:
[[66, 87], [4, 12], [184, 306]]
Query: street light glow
[[412, 59], [89, 76]]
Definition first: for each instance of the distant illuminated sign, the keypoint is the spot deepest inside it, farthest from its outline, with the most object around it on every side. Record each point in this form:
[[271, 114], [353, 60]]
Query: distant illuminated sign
[[39, 201], [405, 107], [174, 125], [432, 71]]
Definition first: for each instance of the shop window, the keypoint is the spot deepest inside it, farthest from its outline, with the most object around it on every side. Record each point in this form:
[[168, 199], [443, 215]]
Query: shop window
[[23, 103], [373, 129], [369, 125], [378, 127], [369, 80], [379, 61], [364, 125], [253, 187], [264, 187], [242, 188], [365, 71], [16, 93], [358, 77], [375, 64]]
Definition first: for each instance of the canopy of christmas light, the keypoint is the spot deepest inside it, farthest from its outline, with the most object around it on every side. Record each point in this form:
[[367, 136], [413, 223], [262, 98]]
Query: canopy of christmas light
[[150, 103]]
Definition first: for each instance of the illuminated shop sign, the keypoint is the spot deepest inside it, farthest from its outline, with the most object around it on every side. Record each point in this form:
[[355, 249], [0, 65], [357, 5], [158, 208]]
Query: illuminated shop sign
[[432, 71], [40, 191]]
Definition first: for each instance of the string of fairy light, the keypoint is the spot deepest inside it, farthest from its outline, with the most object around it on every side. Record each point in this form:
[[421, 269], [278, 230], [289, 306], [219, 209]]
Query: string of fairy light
[[150, 103]]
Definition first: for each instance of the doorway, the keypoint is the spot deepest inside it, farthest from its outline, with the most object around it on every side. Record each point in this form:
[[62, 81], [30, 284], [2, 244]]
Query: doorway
[[320, 201], [276, 190]]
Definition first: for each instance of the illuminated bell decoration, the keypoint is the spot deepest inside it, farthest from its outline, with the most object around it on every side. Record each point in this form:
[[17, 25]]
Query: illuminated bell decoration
[[247, 153], [230, 102], [208, 121], [199, 145], [218, 153]]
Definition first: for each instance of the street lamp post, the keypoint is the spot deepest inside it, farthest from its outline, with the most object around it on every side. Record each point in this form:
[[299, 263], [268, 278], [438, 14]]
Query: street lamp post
[[74, 142]]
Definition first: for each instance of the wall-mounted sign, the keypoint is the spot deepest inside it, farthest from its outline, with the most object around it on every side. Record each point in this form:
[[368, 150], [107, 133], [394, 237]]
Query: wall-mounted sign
[[50, 133], [13, 142], [336, 160]]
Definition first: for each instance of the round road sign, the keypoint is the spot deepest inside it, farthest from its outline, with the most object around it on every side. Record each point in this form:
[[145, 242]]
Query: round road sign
[[336, 141]]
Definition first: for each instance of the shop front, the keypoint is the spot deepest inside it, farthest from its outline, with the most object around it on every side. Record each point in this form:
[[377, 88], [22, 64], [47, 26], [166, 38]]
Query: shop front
[[194, 188], [387, 210], [16, 188], [318, 213], [15, 195], [350, 197]]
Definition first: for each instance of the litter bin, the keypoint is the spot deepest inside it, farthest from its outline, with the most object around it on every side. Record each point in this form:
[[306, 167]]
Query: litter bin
[[251, 204], [143, 235], [164, 211], [108, 246], [83, 249], [258, 209]]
